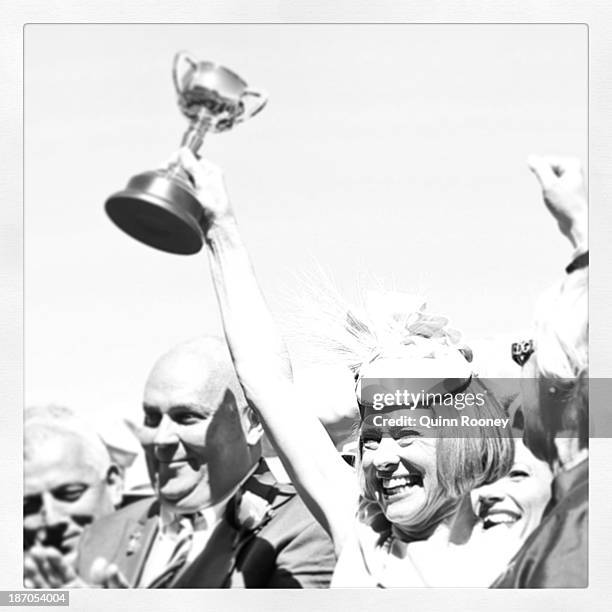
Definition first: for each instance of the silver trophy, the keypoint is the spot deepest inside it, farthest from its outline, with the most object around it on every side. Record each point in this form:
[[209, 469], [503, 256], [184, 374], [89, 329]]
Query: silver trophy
[[160, 207]]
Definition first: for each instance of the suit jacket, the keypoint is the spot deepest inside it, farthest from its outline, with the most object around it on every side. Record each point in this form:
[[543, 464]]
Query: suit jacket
[[556, 554], [284, 549]]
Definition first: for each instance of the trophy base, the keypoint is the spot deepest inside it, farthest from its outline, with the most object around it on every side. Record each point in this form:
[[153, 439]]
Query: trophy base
[[160, 211]]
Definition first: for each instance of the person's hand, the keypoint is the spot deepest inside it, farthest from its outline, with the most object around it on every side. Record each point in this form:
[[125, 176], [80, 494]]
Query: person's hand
[[107, 575], [209, 186], [45, 568], [564, 193]]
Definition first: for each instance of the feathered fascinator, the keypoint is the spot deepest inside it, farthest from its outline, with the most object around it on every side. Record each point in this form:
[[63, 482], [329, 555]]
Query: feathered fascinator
[[387, 323]]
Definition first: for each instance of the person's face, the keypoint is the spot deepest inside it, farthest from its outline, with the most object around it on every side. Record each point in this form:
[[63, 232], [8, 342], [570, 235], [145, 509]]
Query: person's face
[[399, 466], [517, 501], [196, 448], [63, 493], [399, 463]]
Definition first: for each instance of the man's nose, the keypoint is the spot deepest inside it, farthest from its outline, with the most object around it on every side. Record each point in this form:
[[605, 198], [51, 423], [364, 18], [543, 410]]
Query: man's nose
[[166, 434], [386, 458], [52, 513]]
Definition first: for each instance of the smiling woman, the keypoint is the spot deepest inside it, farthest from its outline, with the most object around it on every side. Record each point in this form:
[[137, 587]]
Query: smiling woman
[[440, 467], [412, 480], [517, 500]]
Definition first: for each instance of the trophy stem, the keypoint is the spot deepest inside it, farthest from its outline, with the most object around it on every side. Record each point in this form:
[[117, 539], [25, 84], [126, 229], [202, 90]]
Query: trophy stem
[[193, 140], [194, 136]]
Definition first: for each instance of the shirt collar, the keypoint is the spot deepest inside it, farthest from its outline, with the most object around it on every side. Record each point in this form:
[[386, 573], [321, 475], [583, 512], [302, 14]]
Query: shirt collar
[[205, 518], [170, 520]]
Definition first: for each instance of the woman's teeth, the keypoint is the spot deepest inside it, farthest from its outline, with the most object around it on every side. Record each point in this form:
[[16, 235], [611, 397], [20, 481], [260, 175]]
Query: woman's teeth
[[500, 518], [399, 484]]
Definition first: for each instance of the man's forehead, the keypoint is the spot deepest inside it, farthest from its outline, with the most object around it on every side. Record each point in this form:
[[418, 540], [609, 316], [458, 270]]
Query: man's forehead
[[57, 462], [58, 445], [188, 382], [172, 394]]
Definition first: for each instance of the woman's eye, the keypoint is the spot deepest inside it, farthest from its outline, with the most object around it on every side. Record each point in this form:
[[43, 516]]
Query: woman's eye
[[405, 437], [406, 440], [518, 474], [370, 443]]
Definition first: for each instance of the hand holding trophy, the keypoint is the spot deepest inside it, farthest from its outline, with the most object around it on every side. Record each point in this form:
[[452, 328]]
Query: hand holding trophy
[[160, 207]]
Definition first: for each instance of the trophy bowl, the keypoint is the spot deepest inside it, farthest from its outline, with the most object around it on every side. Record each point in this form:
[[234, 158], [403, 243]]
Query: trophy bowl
[[160, 207]]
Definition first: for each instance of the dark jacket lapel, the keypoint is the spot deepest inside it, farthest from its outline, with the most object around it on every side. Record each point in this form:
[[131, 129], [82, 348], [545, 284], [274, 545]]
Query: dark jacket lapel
[[138, 536], [215, 566]]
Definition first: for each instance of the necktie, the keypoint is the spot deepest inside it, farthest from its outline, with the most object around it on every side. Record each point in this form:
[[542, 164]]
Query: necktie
[[179, 555]]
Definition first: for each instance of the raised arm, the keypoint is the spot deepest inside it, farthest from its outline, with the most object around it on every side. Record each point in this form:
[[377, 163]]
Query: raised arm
[[324, 481], [564, 193]]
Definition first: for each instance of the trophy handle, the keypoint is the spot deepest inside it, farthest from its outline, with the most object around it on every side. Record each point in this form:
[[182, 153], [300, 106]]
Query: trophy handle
[[182, 57], [256, 102]]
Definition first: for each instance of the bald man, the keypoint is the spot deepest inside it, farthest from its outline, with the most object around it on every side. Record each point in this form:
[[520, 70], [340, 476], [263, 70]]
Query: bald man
[[69, 482], [219, 518]]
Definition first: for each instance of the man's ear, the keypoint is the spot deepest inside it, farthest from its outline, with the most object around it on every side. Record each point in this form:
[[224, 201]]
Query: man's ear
[[254, 430], [115, 483]]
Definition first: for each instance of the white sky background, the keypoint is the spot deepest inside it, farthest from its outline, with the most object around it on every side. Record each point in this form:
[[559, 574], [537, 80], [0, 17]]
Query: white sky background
[[393, 150]]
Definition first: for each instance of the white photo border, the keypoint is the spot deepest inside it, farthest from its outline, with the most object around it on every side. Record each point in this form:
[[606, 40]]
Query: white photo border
[[596, 16]]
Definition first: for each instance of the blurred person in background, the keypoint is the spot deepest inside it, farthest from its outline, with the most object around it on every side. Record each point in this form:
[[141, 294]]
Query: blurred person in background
[[121, 440], [555, 396], [70, 481]]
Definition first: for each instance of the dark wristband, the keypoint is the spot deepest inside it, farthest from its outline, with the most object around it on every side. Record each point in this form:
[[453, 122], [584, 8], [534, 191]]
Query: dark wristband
[[582, 261]]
